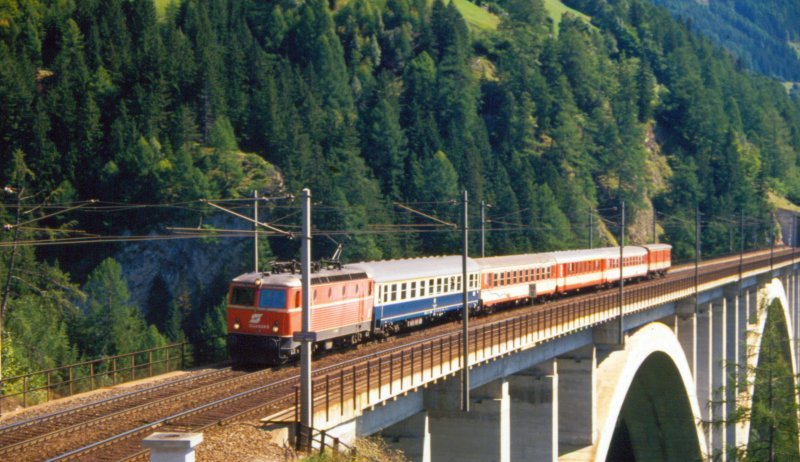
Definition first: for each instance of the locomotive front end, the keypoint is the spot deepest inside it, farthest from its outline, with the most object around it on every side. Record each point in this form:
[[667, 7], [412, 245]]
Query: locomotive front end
[[260, 308]]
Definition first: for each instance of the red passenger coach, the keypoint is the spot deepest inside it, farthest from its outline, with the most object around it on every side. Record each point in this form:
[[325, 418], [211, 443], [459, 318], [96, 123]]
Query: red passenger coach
[[515, 278], [659, 258], [264, 310]]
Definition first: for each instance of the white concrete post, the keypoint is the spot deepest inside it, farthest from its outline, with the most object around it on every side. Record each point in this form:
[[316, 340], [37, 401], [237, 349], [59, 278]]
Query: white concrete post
[[172, 447], [534, 413]]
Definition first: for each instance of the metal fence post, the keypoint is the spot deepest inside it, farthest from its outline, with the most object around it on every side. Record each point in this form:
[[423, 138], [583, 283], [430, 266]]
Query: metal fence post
[[341, 391], [91, 375], [369, 385], [412, 365]]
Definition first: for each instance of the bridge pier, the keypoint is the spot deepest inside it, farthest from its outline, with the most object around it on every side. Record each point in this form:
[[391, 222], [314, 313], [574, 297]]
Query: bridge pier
[[412, 436], [577, 416], [686, 326], [733, 354], [718, 430], [704, 365], [534, 413], [452, 430]]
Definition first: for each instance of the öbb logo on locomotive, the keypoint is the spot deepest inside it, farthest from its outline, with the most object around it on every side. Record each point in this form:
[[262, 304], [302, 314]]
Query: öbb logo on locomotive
[[380, 298]]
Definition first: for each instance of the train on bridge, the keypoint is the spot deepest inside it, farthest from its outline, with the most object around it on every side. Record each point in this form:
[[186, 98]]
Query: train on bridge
[[375, 299]]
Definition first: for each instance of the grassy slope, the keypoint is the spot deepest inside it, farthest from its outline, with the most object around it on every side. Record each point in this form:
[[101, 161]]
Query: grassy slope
[[781, 202], [557, 9], [476, 16], [161, 6], [481, 19]]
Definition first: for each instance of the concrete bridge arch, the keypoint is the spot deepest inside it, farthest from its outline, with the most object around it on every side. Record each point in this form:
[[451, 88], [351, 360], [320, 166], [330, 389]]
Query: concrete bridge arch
[[761, 319], [771, 292], [646, 395]]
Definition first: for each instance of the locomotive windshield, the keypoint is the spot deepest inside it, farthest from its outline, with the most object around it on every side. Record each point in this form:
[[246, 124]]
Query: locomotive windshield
[[271, 298], [242, 296]]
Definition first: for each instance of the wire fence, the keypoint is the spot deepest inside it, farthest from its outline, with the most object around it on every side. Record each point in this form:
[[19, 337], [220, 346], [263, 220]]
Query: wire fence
[[49, 384]]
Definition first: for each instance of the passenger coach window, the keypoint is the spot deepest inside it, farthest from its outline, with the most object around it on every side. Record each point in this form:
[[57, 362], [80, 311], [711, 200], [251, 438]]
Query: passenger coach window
[[242, 296], [270, 298]]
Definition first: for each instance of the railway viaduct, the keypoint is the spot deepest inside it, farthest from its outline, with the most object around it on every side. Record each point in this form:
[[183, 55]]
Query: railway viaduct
[[557, 384]]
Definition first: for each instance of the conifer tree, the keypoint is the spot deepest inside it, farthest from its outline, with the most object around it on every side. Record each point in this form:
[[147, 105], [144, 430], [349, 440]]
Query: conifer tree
[[112, 324]]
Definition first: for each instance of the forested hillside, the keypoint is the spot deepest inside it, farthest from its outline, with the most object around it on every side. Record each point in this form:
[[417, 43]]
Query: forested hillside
[[764, 35], [367, 103]]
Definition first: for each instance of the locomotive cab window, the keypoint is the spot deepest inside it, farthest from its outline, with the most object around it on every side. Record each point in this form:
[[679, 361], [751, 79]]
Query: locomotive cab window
[[271, 298], [243, 296]]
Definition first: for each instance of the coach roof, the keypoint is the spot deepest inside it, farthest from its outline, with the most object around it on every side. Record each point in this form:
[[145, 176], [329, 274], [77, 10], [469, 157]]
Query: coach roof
[[414, 268]]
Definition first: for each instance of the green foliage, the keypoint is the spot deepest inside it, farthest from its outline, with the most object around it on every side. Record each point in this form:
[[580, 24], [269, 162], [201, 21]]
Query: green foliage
[[762, 35], [773, 425], [210, 342], [112, 324], [476, 16], [40, 335]]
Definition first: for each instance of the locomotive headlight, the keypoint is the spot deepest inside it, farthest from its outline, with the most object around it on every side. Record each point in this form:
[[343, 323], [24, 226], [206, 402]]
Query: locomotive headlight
[[275, 327], [236, 324]]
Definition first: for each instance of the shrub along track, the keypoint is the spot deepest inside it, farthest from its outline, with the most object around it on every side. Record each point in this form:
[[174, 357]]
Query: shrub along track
[[116, 427]]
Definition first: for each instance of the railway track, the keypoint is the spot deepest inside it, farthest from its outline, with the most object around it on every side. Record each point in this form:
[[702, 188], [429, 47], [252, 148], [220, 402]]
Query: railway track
[[46, 436], [113, 429]]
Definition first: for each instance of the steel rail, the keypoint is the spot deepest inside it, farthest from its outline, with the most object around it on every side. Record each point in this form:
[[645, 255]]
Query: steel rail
[[93, 422], [86, 450], [4, 430]]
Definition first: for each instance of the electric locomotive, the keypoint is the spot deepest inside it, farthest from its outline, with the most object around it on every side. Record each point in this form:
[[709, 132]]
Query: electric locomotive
[[264, 310]]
